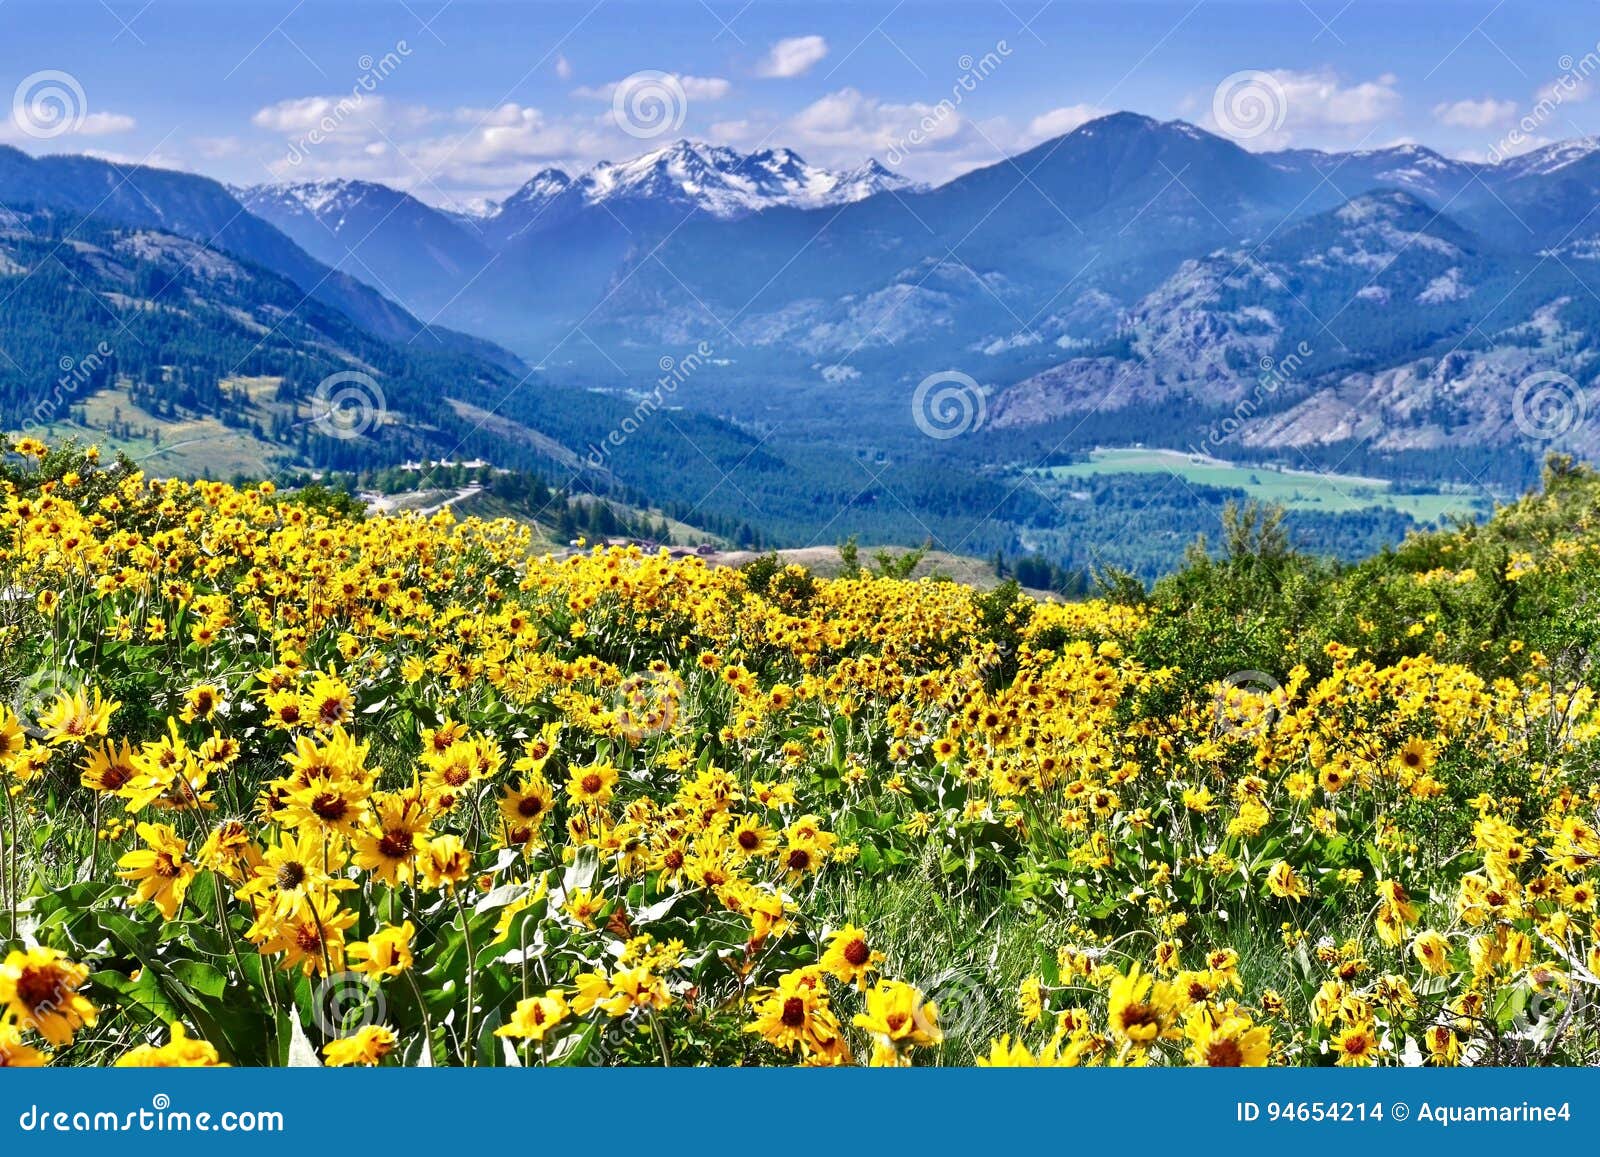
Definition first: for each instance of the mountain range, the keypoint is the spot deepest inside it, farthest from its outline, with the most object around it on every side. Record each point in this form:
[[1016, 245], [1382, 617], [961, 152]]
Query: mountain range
[[492, 270], [1149, 254], [1132, 281]]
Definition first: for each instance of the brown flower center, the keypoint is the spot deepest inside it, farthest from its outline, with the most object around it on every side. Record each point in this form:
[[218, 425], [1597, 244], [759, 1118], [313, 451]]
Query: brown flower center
[[330, 806], [1224, 1054], [397, 844]]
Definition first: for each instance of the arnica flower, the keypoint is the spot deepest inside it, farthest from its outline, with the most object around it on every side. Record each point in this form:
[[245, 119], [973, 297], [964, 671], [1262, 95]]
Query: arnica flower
[[14, 1053], [592, 785], [39, 990], [523, 808], [1432, 952], [108, 767], [367, 1047], [397, 832], [1396, 913], [1142, 1010], [159, 869], [535, 1017], [1219, 1041], [897, 1012], [12, 738], [1285, 883], [387, 952], [444, 862], [76, 717], [180, 1052], [849, 957], [1356, 1046], [795, 1015], [633, 988]]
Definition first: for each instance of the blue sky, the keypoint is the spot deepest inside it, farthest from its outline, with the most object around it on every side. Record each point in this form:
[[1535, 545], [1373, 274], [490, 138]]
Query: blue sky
[[465, 99]]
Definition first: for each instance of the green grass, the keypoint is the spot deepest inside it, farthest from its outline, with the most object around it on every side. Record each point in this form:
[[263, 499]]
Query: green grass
[[198, 447], [969, 949], [1294, 489]]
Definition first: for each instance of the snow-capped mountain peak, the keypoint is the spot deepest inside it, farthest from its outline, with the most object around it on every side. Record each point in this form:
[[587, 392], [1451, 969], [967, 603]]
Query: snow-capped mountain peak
[[1551, 158], [321, 198], [713, 179]]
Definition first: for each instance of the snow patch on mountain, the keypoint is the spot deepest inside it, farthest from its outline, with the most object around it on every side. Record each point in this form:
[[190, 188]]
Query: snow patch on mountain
[[713, 179]]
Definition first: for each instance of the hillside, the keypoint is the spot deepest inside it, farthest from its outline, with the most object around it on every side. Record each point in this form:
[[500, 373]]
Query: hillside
[[1271, 811]]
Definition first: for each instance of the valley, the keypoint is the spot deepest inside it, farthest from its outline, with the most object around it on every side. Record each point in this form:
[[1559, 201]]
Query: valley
[[737, 341]]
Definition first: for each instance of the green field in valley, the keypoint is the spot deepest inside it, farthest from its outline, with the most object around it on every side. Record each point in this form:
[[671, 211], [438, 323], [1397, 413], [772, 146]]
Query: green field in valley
[[1294, 489]]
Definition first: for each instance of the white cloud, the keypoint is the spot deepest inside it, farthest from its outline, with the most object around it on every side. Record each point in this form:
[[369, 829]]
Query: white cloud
[[102, 124], [1319, 99], [1060, 121], [563, 68], [740, 132], [851, 119], [449, 157], [302, 114], [694, 87], [94, 124], [793, 56], [1475, 114]]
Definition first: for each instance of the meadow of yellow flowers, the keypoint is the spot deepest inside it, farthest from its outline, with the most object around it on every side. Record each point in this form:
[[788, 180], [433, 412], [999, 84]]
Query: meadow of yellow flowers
[[287, 787]]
